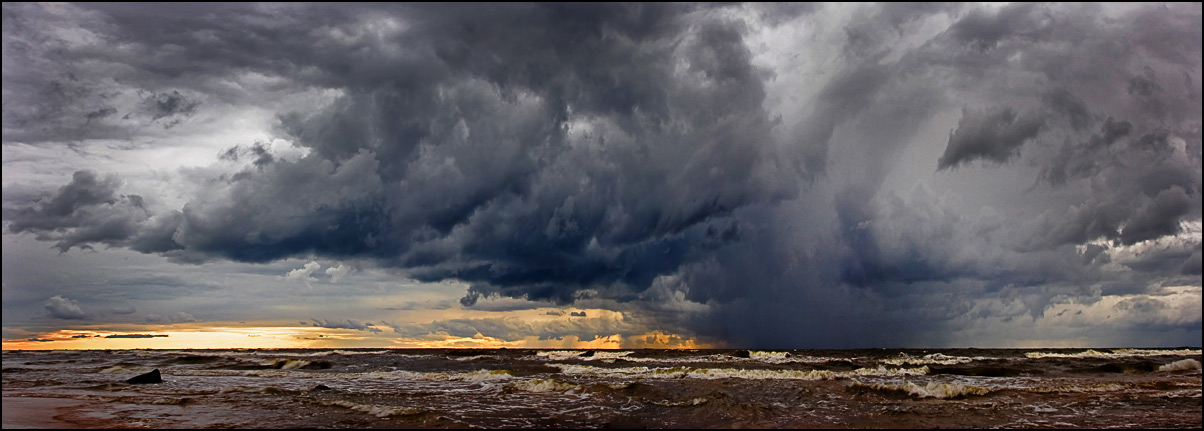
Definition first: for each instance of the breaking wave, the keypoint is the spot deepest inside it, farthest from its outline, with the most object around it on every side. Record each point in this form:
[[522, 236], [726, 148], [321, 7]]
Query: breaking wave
[[1185, 364], [1103, 387], [932, 359], [734, 373], [930, 390], [375, 410], [547, 386], [469, 376], [585, 355], [1118, 353]]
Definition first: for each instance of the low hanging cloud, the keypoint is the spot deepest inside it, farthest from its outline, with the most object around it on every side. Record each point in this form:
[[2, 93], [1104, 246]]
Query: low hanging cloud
[[994, 135], [652, 155], [60, 307], [518, 328], [136, 335], [337, 273], [344, 324], [303, 273]]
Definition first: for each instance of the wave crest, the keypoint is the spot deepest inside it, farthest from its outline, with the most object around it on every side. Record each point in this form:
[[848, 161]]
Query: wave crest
[[1185, 364], [735, 373], [931, 390]]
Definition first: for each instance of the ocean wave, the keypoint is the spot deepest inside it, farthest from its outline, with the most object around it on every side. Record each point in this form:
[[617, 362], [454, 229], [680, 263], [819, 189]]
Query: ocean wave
[[930, 390], [346, 352], [1117, 353], [734, 373], [932, 359], [1185, 364], [117, 369], [299, 364], [686, 403], [375, 410], [585, 355], [1101, 387], [469, 376], [769, 356], [560, 355], [547, 386]]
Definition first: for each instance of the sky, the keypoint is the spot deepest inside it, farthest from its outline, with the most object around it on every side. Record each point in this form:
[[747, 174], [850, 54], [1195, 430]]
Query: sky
[[601, 175]]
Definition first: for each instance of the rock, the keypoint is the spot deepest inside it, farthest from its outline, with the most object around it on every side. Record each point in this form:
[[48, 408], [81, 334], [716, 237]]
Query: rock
[[742, 354], [321, 388], [151, 377]]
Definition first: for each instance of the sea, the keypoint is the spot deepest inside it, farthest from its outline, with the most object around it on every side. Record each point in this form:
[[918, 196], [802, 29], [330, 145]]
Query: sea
[[518, 388]]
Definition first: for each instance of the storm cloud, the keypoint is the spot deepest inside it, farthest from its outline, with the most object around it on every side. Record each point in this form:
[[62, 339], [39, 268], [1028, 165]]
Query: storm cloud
[[928, 168]]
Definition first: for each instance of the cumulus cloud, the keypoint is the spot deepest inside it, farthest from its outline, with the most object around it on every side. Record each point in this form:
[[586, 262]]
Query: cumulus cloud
[[89, 210], [303, 273], [60, 307], [337, 273]]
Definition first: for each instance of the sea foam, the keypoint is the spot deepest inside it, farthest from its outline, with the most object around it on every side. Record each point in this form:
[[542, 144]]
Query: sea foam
[[1185, 364], [1118, 353], [930, 390], [733, 373]]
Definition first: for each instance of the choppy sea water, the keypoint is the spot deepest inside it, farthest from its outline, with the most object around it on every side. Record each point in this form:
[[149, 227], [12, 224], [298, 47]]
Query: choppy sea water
[[877, 388]]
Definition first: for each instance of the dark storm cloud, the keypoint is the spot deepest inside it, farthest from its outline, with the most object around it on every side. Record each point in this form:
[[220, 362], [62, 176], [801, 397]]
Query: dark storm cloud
[[995, 135], [575, 153], [170, 109], [89, 210], [562, 153]]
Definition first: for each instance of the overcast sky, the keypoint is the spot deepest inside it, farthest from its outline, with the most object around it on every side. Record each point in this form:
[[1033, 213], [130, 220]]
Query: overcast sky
[[648, 175]]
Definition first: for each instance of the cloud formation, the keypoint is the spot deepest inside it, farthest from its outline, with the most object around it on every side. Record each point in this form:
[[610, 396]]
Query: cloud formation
[[994, 136], [345, 324], [696, 164], [135, 335], [64, 308]]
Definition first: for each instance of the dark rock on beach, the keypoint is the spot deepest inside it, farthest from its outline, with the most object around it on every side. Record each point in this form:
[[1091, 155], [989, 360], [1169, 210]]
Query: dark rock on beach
[[151, 377], [321, 388]]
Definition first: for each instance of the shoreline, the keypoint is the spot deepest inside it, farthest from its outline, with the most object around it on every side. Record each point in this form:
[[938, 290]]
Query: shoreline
[[51, 413]]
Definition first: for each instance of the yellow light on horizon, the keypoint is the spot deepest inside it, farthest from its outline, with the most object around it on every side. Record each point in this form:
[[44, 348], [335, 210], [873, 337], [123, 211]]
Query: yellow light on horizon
[[265, 335]]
